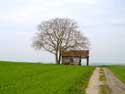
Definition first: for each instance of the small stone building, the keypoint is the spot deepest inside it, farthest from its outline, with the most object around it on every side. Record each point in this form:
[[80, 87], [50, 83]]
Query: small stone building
[[73, 57]]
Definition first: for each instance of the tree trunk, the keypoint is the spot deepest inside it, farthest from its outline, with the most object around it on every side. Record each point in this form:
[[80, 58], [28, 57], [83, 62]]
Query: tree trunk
[[56, 59], [60, 56]]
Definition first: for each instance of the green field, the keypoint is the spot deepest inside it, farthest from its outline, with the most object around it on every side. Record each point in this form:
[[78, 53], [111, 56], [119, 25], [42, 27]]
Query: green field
[[119, 71], [28, 78]]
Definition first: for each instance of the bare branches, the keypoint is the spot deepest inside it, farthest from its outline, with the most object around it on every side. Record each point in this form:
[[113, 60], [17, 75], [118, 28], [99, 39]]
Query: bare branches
[[59, 34]]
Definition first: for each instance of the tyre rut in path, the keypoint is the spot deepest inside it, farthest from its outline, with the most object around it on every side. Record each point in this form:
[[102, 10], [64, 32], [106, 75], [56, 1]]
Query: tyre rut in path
[[116, 86], [94, 83]]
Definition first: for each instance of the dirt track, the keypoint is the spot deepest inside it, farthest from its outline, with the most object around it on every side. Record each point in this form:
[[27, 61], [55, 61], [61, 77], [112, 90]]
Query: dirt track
[[94, 83], [114, 84]]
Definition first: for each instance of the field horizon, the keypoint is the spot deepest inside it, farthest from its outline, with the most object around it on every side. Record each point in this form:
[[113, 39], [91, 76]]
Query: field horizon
[[91, 64], [33, 78]]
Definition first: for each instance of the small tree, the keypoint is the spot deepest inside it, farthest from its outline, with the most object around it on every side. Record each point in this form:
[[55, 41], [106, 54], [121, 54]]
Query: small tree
[[59, 34]]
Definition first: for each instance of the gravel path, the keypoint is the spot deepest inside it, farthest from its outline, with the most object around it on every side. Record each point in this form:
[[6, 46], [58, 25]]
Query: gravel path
[[116, 86]]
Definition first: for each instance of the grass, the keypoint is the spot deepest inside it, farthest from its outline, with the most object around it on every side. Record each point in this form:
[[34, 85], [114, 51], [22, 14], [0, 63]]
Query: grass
[[28, 78], [119, 71]]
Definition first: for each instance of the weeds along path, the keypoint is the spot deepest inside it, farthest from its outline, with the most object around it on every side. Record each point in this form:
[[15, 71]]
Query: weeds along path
[[116, 86]]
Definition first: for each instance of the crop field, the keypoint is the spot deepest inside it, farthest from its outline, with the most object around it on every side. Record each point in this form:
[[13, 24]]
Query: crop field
[[29, 78], [119, 71]]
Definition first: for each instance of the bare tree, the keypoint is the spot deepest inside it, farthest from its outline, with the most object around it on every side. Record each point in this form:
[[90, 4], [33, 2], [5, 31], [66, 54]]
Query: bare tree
[[59, 34]]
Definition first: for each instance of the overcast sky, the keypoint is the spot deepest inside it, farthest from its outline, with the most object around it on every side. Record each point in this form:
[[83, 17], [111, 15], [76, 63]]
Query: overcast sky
[[103, 21]]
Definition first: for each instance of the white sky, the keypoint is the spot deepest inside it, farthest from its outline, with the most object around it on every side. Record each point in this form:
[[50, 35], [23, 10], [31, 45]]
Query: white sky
[[103, 21]]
